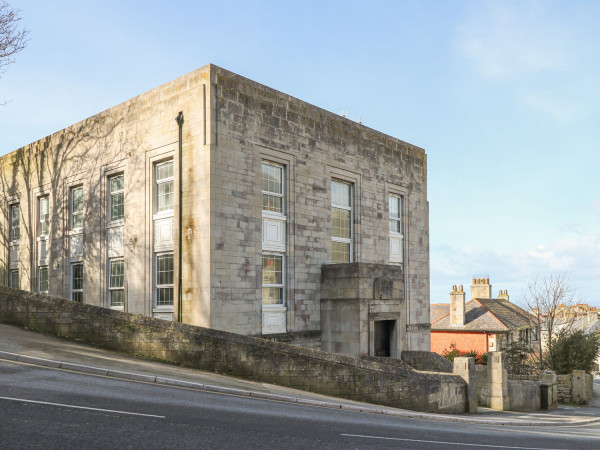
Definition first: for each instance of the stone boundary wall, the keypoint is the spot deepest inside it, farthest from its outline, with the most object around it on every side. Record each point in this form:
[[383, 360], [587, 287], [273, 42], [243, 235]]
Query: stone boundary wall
[[576, 387], [427, 361], [236, 355]]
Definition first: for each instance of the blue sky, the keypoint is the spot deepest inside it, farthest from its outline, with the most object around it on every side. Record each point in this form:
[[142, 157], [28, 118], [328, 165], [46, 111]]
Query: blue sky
[[504, 96]]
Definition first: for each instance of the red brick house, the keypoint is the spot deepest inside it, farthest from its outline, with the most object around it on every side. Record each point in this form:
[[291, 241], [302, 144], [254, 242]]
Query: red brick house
[[483, 324]]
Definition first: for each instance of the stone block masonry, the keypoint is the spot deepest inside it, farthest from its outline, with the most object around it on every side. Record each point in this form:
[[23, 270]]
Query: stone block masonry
[[241, 356]]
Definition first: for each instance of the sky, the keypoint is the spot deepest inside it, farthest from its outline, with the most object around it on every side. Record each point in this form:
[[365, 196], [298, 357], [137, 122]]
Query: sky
[[504, 96]]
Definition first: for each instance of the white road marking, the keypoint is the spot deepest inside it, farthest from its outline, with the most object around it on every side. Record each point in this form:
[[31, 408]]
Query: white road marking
[[23, 400], [445, 443]]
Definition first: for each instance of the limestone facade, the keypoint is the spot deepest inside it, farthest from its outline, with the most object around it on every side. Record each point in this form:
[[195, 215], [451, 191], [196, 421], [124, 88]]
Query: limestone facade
[[131, 209]]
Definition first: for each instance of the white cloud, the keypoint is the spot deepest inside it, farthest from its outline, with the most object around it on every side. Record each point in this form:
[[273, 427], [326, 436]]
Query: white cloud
[[578, 256], [504, 39], [559, 108]]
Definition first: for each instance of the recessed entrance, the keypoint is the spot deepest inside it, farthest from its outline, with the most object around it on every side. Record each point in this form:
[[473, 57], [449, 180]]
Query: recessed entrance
[[384, 330]]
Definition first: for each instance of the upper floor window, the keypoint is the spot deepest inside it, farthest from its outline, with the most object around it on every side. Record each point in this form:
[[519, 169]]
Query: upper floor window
[[272, 280], [395, 206], [272, 187], [117, 197], [341, 217], [14, 222], [44, 215], [77, 208], [164, 186], [13, 280]]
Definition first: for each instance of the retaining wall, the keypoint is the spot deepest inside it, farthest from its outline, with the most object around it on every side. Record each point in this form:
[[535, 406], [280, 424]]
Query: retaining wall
[[237, 355], [428, 361]]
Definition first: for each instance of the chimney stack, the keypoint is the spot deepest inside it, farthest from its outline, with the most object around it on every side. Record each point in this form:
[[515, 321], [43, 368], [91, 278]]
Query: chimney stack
[[503, 294], [457, 306], [481, 288]]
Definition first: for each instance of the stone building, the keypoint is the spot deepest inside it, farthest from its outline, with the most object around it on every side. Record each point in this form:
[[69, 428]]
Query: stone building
[[484, 324], [216, 201]]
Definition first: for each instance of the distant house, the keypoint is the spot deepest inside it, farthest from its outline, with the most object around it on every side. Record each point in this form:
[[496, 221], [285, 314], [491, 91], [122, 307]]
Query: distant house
[[483, 324]]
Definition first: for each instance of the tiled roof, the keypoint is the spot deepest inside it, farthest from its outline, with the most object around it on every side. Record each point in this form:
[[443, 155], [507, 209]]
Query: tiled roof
[[437, 310], [485, 315]]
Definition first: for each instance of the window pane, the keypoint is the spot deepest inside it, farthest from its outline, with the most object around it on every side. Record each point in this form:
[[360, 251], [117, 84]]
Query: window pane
[[272, 296], [117, 208], [272, 178], [164, 170], [395, 226], [272, 203], [77, 276], [164, 196], [117, 183], [394, 207], [78, 220], [340, 223], [164, 269], [77, 297], [340, 193], [164, 296], [77, 197], [43, 279], [14, 279], [272, 273], [15, 231], [116, 298], [117, 274], [340, 252]]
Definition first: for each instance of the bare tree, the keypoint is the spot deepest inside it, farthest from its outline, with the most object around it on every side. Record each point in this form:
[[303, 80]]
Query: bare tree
[[545, 298], [13, 38]]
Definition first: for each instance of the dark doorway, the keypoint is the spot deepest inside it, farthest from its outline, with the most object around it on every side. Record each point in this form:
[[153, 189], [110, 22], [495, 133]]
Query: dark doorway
[[383, 336]]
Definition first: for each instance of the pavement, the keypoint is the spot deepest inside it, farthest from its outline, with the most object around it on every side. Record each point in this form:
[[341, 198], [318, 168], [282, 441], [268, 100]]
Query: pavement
[[28, 347]]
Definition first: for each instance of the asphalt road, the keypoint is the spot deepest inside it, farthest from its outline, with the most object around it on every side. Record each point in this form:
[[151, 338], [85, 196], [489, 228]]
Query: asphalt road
[[49, 408]]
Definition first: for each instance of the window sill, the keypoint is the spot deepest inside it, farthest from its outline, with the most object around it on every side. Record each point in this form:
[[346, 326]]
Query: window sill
[[116, 224], [75, 232], [163, 215]]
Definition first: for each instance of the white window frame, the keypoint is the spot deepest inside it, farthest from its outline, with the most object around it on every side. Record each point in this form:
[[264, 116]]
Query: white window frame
[[347, 208], [72, 212], [280, 286], [281, 195], [112, 194], [71, 289], [112, 289], [163, 286], [41, 220], [11, 282], [157, 182], [39, 279], [14, 230]]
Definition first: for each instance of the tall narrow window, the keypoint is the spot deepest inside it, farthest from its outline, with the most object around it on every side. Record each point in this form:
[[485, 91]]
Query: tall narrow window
[[43, 280], [14, 223], [44, 216], [272, 280], [341, 217], [77, 208], [116, 282], [13, 281], [77, 282], [395, 229], [164, 279], [272, 188], [117, 198], [164, 186]]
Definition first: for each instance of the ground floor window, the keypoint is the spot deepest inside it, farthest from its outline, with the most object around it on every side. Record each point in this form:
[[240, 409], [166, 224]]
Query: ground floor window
[[164, 279], [43, 280], [116, 284], [272, 279], [77, 282], [13, 279]]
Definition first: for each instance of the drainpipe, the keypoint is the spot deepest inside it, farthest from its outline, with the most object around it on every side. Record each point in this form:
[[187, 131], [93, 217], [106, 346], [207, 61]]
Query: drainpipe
[[179, 120]]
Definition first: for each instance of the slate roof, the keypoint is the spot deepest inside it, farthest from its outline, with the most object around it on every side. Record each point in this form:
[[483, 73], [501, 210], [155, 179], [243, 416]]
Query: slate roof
[[438, 310], [495, 315]]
